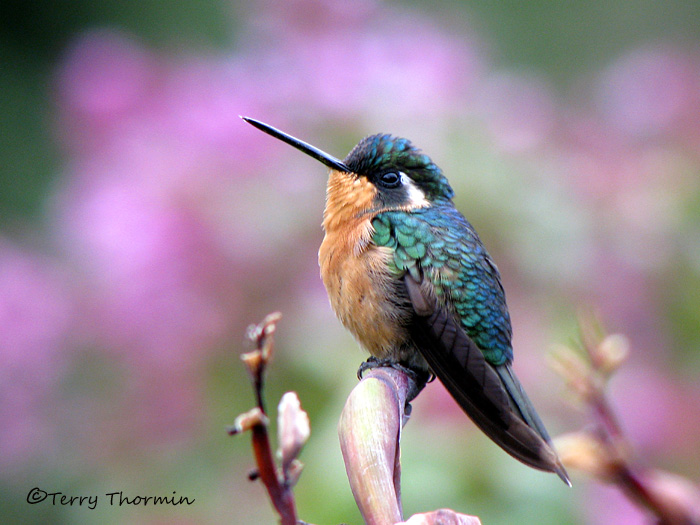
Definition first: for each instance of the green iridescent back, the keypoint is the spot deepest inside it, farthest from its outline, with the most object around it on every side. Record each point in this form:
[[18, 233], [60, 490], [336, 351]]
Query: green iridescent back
[[439, 242]]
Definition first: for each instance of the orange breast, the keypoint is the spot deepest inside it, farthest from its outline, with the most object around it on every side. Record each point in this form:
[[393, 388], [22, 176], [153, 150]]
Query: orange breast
[[355, 272]]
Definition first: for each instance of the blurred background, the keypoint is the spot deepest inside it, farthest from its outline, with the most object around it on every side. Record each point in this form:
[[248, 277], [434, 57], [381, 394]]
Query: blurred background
[[143, 226]]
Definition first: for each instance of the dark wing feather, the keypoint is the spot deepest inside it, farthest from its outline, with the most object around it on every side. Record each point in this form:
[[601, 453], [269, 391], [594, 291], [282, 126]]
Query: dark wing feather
[[474, 383]]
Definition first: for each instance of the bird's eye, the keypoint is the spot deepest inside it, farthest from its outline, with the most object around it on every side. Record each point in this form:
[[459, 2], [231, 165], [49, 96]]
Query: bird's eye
[[390, 179]]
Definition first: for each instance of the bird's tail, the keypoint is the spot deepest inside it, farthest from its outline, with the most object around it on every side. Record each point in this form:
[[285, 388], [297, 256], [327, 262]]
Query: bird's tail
[[521, 403], [490, 395]]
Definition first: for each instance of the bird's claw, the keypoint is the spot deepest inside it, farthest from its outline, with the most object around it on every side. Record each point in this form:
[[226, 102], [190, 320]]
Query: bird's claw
[[419, 378]]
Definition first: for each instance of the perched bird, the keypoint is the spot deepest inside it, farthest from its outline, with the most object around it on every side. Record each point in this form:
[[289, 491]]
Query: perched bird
[[409, 277]]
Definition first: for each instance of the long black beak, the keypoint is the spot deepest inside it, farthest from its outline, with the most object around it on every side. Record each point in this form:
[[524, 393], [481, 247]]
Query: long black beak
[[322, 156]]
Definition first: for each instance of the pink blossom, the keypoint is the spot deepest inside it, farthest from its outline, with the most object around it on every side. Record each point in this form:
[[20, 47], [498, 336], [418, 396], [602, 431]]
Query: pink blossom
[[519, 112], [328, 67], [36, 310], [650, 91], [611, 507], [154, 271], [657, 413], [105, 80]]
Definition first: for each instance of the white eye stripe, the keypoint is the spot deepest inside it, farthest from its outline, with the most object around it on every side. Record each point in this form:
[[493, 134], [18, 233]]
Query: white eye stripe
[[416, 197]]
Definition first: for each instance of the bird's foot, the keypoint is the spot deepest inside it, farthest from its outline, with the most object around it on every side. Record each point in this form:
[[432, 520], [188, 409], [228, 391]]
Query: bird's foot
[[371, 363], [419, 378]]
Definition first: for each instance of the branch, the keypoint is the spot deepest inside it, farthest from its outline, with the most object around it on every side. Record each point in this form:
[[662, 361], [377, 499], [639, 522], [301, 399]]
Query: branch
[[293, 426], [606, 453], [370, 431]]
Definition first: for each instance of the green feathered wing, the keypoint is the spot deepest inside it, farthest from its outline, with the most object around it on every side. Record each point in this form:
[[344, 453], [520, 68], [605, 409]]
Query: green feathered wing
[[461, 326]]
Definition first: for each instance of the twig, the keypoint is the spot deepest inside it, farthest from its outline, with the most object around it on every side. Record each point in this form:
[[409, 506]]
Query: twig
[[293, 427], [370, 431], [606, 453]]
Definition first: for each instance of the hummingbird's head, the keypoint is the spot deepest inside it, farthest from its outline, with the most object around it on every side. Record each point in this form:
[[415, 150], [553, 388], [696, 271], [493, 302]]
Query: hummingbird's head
[[391, 172], [401, 173]]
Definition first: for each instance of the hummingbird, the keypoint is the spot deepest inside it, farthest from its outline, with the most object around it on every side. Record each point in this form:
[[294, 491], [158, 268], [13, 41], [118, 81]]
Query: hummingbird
[[409, 277]]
